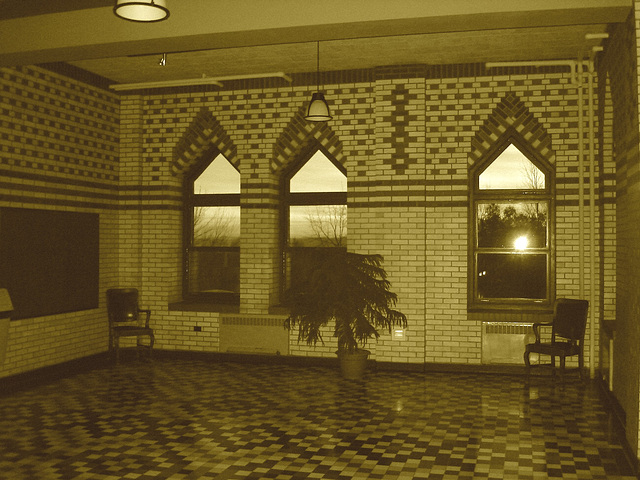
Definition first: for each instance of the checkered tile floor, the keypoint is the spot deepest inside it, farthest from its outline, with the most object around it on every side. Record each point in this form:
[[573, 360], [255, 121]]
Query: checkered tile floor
[[195, 419]]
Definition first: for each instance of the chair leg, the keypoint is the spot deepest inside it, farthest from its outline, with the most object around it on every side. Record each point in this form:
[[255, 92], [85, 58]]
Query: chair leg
[[581, 365], [527, 362], [152, 340], [142, 345], [562, 364], [116, 344]]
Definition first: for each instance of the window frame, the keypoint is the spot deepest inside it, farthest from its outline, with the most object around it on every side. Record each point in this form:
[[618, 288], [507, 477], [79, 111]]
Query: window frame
[[290, 199], [191, 200], [505, 196]]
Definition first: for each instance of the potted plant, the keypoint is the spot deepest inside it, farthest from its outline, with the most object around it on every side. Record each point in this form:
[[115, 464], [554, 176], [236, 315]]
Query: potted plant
[[351, 290]]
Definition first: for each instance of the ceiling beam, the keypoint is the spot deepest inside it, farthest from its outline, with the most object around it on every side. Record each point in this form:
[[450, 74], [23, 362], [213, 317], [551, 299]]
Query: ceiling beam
[[90, 33]]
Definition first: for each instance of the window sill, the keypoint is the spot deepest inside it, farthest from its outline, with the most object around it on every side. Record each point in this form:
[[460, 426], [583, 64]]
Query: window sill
[[520, 309], [199, 306]]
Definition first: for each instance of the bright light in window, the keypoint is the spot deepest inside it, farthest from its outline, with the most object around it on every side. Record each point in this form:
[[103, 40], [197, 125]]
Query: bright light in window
[[521, 243]]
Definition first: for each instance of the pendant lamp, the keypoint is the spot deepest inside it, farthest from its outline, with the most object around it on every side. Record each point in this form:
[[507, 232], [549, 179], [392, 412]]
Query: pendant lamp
[[142, 10], [318, 109]]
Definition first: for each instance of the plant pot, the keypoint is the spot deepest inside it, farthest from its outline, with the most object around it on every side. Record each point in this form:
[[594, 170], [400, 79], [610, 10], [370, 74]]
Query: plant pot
[[353, 364]]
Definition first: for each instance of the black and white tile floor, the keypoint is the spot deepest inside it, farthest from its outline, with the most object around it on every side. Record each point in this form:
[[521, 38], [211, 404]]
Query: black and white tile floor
[[195, 419]]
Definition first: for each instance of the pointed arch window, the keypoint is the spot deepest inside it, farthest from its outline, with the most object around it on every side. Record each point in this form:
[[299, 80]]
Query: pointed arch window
[[212, 231], [512, 209], [314, 214]]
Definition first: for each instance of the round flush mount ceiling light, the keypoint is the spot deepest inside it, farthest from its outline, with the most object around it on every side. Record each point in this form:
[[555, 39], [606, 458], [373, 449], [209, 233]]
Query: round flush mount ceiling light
[[141, 10]]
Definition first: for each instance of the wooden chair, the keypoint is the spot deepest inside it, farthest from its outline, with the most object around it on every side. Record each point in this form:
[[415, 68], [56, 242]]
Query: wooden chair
[[125, 320], [567, 334]]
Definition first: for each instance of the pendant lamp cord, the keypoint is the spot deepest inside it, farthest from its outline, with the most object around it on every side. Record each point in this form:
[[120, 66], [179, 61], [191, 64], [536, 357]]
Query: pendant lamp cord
[[318, 65]]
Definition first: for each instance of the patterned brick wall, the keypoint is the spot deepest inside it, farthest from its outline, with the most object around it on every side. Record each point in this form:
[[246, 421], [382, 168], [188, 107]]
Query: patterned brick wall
[[407, 144], [205, 131], [621, 65], [511, 113], [543, 108], [407, 137], [607, 206], [59, 150]]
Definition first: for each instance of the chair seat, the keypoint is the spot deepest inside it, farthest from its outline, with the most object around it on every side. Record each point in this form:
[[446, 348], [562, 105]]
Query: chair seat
[[131, 330], [558, 348]]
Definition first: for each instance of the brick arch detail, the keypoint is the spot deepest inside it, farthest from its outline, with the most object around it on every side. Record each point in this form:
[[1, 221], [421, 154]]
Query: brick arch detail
[[297, 136], [204, 131], [511, 113]]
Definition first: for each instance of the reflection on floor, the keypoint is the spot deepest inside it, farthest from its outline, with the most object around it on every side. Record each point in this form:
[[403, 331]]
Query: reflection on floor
[[196, 419]]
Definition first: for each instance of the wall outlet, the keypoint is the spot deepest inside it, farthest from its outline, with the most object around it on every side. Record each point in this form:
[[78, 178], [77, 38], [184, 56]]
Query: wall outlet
[[397, 334]]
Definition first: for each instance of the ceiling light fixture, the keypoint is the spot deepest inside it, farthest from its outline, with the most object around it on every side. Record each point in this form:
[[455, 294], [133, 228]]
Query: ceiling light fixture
[[142, 10], [318, 109]]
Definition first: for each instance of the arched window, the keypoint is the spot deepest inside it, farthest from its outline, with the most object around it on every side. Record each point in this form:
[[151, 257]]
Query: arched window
[[512, 217], [314, 219], [212, 232]]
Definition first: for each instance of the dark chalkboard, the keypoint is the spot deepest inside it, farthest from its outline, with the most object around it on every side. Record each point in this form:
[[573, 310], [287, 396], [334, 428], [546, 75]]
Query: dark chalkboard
[[49, 260]]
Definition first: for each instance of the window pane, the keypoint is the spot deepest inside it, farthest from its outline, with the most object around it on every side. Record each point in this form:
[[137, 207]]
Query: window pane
[[512, 276], [219, 177], [318, 226], [512, 170], [301, 262], [214, 271], [512, 225], [216, 226], [319, 174]]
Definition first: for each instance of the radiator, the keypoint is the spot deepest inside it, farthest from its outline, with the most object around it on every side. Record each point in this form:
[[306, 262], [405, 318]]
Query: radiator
[[254, 334], [504, 342]]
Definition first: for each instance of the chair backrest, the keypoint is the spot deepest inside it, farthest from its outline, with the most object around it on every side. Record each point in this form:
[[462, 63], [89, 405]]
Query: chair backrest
[[122, 304], [570, 318]]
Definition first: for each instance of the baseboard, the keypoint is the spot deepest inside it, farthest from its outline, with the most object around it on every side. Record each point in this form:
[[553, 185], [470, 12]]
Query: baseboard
[[476, 368], [51, 373], [297, 360], [252, 358]]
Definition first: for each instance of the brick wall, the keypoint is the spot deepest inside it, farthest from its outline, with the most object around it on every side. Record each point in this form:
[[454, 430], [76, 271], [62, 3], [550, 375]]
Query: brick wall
[[621, 65], [407, 137], [59, 150]]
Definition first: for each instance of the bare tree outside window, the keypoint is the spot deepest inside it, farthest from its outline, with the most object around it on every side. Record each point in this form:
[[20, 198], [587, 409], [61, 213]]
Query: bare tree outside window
[[215, 227], [329, 224], [532, 177]]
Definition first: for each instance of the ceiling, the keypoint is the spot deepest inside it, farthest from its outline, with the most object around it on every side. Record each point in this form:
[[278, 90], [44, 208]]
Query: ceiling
[[542, 43], [230, 37]]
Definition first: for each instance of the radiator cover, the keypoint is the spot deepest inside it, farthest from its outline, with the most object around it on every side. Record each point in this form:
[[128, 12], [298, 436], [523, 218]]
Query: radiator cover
[[254, 334], [503, 342]]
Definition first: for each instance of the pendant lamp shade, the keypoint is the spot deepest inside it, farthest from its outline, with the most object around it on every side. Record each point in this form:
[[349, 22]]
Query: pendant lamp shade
[[318, 109], [142, 10]]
